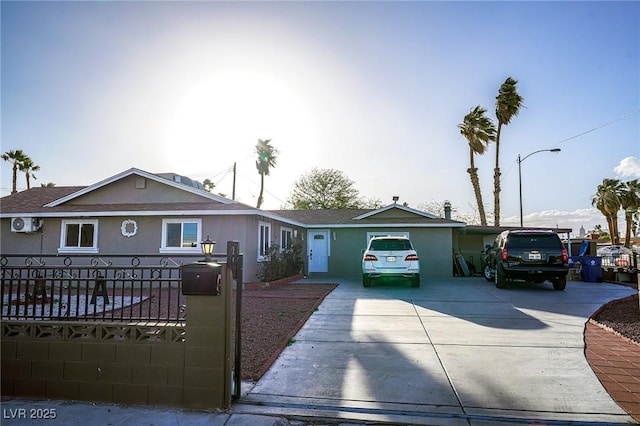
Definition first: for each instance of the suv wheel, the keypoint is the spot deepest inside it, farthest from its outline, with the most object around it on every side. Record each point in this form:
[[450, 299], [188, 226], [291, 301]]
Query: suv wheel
[[488, 274], [560, 283], [366, 281], [501, 280], [415, 280]]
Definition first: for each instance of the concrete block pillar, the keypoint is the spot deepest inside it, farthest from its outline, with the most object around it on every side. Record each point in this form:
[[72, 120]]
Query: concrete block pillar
[[207, 370]]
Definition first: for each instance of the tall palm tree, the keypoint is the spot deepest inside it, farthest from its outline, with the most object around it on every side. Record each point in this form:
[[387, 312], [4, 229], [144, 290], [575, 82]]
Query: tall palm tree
[[508, 104], [28, 167], [479, 131], [267, 156], [607, 201], [15, 158], [630, 203]]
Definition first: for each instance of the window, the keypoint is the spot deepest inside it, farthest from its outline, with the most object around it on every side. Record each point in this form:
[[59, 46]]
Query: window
[[264, 240], [180, 235], [286, 238], [79, 236]]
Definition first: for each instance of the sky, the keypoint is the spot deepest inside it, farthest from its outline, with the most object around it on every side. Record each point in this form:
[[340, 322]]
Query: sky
[[373, 89]]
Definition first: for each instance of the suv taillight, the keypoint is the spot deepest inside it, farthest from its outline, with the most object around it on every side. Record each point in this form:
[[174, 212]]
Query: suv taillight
[[411, 257], [503, 254], [369, 258], [565, 256]]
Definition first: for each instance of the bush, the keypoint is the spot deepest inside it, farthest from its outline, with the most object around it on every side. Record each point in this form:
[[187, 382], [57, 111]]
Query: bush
[[280, 264]]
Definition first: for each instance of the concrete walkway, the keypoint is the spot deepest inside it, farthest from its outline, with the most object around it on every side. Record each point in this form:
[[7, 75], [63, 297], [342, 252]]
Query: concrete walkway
[[454, 351]]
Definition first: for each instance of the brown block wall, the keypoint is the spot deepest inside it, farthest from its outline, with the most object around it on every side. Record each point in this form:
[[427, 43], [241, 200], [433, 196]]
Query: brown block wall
[[177, 364]]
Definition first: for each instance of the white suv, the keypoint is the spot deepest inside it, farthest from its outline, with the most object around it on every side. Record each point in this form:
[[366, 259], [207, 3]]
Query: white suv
[[390, 257]]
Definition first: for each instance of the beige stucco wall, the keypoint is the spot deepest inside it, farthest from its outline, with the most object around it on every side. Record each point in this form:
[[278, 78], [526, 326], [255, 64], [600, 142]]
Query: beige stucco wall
[[136, 190], [147, 240]]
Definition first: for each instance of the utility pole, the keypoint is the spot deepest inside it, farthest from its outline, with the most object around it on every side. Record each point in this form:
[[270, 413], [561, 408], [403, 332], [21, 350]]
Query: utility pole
[[233, 193]]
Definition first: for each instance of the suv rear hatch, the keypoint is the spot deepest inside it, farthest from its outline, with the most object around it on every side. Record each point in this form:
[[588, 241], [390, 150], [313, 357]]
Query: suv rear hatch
[[389, 255], [529, 249]]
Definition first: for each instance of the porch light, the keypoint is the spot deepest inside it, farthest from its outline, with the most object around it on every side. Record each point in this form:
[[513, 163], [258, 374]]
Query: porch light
[[207, 247]]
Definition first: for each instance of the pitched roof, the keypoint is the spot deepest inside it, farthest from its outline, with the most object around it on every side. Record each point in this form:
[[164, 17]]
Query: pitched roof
[[141, 173], [55, 201], [365, 218]]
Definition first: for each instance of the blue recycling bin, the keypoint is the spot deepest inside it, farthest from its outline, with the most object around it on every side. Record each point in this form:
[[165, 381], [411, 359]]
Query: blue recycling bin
[[591, 269]]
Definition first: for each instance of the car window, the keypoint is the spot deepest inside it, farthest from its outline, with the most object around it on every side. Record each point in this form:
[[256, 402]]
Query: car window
[[390, 245], [533, 240]]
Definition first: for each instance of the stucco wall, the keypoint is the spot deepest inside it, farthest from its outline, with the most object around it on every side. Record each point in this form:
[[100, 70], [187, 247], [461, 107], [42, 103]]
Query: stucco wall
[[134, 190], [241, 228]]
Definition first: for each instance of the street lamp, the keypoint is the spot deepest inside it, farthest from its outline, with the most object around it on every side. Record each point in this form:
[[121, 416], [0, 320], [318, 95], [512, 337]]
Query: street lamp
[[520, 160]]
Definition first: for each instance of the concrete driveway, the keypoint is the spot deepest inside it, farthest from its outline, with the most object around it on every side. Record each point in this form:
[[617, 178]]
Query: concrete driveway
[[454, 351]]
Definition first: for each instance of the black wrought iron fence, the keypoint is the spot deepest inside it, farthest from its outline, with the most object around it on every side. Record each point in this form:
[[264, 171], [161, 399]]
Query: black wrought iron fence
[[113, 288]]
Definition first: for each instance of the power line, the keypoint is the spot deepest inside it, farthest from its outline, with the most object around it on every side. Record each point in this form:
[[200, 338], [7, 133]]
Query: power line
[[627, 115], [600, 127]]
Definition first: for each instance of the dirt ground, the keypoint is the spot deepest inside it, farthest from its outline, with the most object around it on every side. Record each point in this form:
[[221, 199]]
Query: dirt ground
[[270, 319], [622, 316]]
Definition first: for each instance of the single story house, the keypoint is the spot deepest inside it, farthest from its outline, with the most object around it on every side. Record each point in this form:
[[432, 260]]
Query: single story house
[[139, 213], [336, 239]]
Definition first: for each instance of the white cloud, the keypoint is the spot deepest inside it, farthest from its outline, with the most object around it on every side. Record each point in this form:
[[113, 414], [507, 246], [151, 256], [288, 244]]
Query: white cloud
[[575, 219], [629, 166]]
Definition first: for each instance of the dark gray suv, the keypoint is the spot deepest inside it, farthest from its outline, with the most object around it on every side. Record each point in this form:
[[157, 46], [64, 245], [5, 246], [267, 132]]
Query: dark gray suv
[[527, 255]]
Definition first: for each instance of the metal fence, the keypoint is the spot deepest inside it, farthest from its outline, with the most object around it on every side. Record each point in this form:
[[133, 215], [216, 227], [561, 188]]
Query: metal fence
[[622, 262], [113, 288]]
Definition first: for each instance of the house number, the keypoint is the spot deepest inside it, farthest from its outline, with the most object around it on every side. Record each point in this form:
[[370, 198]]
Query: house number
[[129, 228]]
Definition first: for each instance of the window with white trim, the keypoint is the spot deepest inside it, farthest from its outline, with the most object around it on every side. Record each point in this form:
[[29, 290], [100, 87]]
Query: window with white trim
[[181, 235], [264, 240], [79, 236], [386, 234], [286, 238]]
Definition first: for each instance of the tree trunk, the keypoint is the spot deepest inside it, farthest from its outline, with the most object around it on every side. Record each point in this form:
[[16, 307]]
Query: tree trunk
[[261, 190], [15, 178], [628, 218], [496, 196], [475, 182], [496, 180]]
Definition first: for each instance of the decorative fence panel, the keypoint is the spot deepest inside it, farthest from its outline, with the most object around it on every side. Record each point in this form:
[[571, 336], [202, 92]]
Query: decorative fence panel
[[113, 288]]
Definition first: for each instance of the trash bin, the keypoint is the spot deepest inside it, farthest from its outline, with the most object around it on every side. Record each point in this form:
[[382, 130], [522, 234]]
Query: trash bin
[[591, 269]]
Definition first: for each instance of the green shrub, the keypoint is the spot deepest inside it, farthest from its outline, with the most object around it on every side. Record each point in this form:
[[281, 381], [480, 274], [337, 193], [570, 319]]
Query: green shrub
[[280, 264]]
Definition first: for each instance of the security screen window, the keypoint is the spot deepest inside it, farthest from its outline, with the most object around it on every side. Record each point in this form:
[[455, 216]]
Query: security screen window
[[181, 234], [286, 239], [264, 240], [79, 236]]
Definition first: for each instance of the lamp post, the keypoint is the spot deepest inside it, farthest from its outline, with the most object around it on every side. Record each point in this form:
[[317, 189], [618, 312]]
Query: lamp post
[[207, 247], [520, 160]]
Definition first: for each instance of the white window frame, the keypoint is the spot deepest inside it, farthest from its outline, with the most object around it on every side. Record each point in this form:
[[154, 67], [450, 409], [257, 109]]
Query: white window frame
[[386, 234], [163, 242], [63, 236], [262, 226], [283, 230]]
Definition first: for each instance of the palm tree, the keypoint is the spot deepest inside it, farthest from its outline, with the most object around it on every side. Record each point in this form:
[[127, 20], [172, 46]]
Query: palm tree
[[267, 156], [508, 104], [479, 132], [28, 167], [607, 201], [15, 158], [630, 203]]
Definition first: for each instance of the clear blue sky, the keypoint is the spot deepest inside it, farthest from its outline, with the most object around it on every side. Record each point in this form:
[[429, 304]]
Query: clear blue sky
[[374, 89]]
